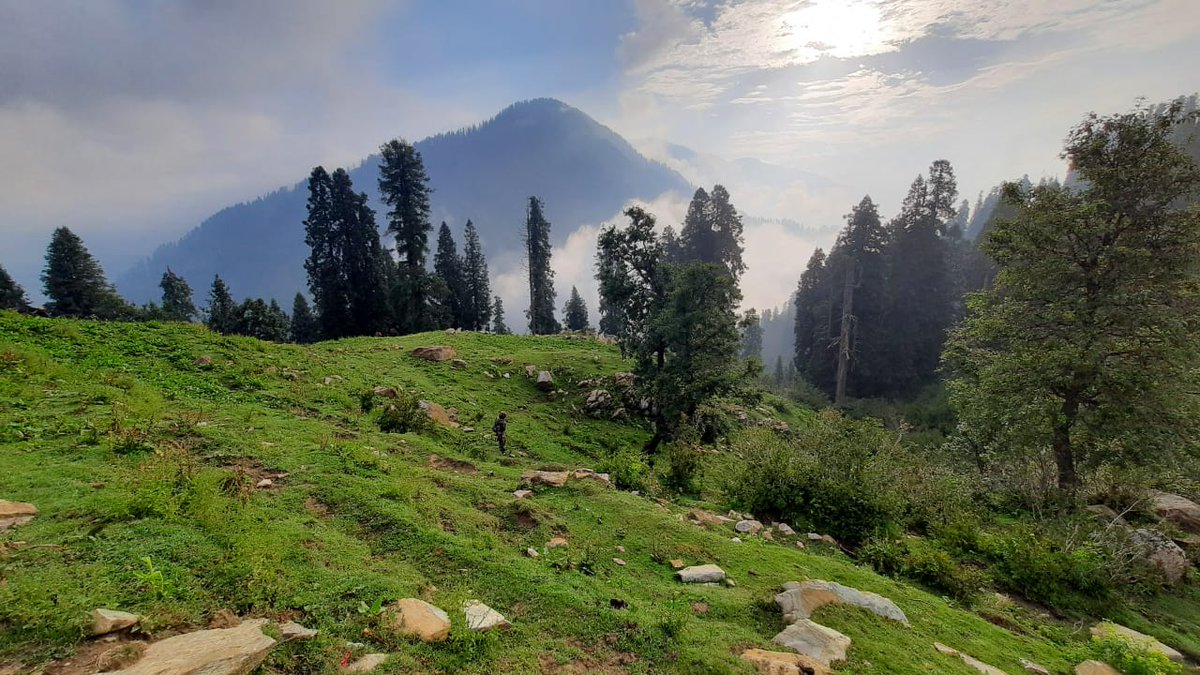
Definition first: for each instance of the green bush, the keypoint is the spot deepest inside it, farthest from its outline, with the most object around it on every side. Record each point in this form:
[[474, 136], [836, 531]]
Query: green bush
[[1039, 568], [683, 464], [1133, 659], [403, 414], [627, 467], [925, 563]]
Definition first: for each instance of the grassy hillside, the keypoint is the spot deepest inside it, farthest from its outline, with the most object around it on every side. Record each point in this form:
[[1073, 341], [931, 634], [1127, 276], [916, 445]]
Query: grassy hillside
[[144, 466]]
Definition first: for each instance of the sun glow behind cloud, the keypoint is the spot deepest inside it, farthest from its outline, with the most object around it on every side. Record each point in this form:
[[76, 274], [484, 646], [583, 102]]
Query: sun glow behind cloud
[[839, 28]]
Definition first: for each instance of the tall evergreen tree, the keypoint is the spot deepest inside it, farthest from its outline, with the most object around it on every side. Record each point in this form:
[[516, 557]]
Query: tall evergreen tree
[[12, 296], [498, 325], [404, 187], [258, 319], [304, 328], [326, 280], [858, 297], [75, 283], [713, 232], [363, 259], [177, 302], [448, 266], [672, 246], [575, 313], [1084, 352], [478, 292], [814, 350], [541, 276], [222, 311], [752, 336]]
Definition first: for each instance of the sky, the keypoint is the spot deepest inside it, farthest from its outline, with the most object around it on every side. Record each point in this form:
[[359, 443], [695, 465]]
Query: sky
[[131, 121]]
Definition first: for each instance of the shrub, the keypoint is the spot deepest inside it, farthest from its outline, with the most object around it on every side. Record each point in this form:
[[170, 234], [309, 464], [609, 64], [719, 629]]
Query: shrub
[[1037, 567], [403, 414], [683, 463], [1133, 659], [627, 468], [925, 563]]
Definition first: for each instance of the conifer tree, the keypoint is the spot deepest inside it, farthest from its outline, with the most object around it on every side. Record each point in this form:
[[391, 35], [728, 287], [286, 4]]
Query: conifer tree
[[362, 269], [258, 319], [326, 280], [177, 302], [222, 311], [75, 283], [478, 292], [575, 313], [752, 336], [672, 246], [404, 187], [713, 232], [541, 276], [448, 266], [858, 297], [304, 327], [12, 296], [498, 325], [812, 327]]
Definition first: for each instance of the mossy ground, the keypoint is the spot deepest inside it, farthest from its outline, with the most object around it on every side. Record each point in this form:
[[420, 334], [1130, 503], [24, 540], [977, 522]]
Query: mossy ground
[[137, 457]]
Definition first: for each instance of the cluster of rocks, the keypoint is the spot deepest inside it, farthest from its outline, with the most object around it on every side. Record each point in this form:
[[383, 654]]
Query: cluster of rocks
[[616, 399], [533, 478], [746, 525], [1163, 553]]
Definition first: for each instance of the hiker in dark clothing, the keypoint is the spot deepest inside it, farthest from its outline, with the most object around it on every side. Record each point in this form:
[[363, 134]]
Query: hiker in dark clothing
[[501, 430]]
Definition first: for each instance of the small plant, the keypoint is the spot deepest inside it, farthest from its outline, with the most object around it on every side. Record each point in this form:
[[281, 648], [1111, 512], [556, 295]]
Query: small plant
[[404, 414], [366, 401], [374, 609], [1133, 659], [154, 580]]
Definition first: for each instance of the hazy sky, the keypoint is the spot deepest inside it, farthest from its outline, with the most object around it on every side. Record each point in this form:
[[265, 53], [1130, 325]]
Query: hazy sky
[[132, 121]]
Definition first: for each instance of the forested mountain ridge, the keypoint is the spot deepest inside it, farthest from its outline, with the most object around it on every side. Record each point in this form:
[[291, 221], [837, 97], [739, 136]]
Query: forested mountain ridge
[[583, 170]]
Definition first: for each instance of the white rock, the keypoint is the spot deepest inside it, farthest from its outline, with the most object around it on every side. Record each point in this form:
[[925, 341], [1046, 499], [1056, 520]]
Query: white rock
[[785, 529], [482, 618], [701, 574], [366, 664], [1036, 669], [294, 631], [814, 640], [748, 526], [106, 621], [800, 600], [220, 651]]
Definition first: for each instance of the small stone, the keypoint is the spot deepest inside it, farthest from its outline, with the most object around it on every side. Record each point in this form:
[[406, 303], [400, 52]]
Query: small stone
[[619, 561], [386, 392], [265, 483], [548, 478], [557, 542], [1031, 667], [522, 494], [948, 651], [294, 631], [531, 552], [676, 564], [506, 376], [748, 526], [366, 664], [482, 618], [783, 663], [728, 581], [736, 540], [203, 361], [701, 574], [620, 549], [420, 619], [327, 381], [785, 529], [435, 353], [106, 621], [766, 534], [1091, 667], [458, 363]]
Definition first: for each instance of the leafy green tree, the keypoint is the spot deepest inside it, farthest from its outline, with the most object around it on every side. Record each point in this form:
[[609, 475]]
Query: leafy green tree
[[498, 325], [404, 187], [304, 328], [448, 266], [177, 302], [477, 293], [222, 310], [1085, 348], [541, 276], [575, 313], [752, 335], [75, 283], [12, 296]]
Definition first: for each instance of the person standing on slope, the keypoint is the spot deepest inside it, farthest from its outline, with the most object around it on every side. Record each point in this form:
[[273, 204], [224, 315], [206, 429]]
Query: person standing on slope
[[501, 430]]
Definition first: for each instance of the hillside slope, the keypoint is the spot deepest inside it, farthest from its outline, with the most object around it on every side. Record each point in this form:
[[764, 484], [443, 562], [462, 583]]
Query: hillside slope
[[140, 459], [583, 171]]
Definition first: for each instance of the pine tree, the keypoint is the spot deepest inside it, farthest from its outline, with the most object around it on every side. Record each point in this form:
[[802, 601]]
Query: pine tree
[[362, 269], [1084, 352], [713, 232], [304, 328], [448, 266], [222, 311], [257, 319], [752, 336], [498, 325], [477, 294], [12, 296], [75, 283], [575, 313], [404, 186], [858, 287], [176, 298], [326, 281], [541, 276], [672, 246], [814, 353]]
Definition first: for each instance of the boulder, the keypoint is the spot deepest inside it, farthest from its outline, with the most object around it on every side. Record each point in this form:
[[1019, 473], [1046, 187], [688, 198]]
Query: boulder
[[969, 660], [549, 478], [421, 620], [701, 574], [481, 618], [105, 621], [458, 363], [1163, 554], [708, 518], [624, 380], [531, 370], [294, 631], [826, 645], [219, 651], [435, 353], [589, 474], [785, 529], [13, 514], [365, 664], [597, 401], [1105, 514], [438, 414], [1035, 668], [1115, 631], [1180, 511], [545, 381], [800, 600], [783, 663], [748, 526], [386, 392], [1091, 667]]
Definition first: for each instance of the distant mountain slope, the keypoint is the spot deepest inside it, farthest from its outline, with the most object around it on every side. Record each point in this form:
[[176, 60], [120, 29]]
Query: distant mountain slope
[[583, 171]]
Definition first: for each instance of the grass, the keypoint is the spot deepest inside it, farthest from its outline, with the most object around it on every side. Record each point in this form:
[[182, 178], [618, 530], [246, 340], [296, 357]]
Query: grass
[[144, 464]]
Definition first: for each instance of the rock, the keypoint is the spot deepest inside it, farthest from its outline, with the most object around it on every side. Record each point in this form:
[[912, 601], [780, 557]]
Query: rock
[[506, 376], [530, 369], [969, 660], [582, 474], [1163, 554], [119, 656], [294, 631], [701, 574], [619, 562], [813, 536], [708, 518], [386, 392], [531, 553], [597, 401], [785, 529], [1115, 631], [620, 549], [438, 414], [366, 664], [948, 651], [224, 618], [435, 353], [203, 361], [503, 361], [1091, 667], [545, 381], [1105, 514], [736, 540], [1036, 669], [105, 621], [1181, 511], [799, 544], [458, 363], [826, 645], [13, 514], [783, 663], [550, 478], [220, 651], [826, 539], [265, 483], [624, 380], [766, 534], [557, 542], [481, 618], [522, 494], [800, 600], [421, 620], [676, 564], [700, 608], [748, 526]]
